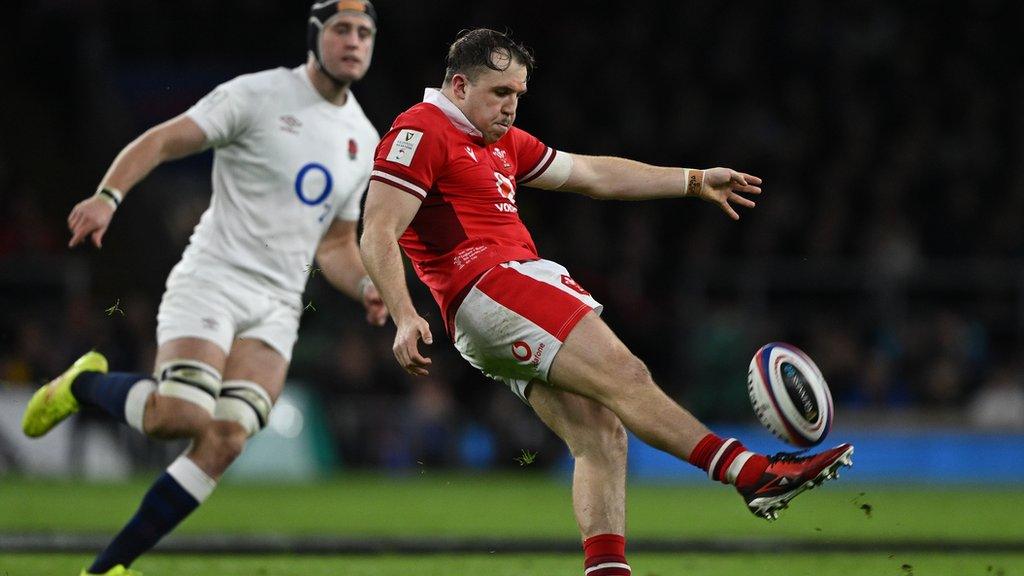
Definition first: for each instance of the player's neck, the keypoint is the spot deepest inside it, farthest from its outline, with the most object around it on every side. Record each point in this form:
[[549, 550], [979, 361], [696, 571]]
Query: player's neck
[[331, 90]]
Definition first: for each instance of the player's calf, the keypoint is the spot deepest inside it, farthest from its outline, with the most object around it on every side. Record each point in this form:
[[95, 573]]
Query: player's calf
[[241, 410]]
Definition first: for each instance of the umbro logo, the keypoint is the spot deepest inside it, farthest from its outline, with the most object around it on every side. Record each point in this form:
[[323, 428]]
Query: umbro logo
[[471, 154], [784, 481], [289, 124]]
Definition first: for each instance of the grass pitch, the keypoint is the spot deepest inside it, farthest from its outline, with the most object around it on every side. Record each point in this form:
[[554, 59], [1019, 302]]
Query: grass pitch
[[530, 505], [539, 565]]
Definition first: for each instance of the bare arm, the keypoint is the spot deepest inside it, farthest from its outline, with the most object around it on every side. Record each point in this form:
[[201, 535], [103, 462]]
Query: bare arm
[[176, 138], [608, 177], [337, 257], [387, 214]]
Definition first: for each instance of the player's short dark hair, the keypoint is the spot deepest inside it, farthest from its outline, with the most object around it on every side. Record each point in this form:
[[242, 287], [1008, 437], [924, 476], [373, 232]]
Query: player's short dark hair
[[474, 50]]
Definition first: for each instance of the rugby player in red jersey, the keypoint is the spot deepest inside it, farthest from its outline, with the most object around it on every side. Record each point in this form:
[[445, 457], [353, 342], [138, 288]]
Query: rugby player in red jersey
[[444, 189]]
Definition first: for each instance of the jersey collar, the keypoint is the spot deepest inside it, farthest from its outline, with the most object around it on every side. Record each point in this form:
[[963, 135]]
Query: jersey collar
[[455, 116]]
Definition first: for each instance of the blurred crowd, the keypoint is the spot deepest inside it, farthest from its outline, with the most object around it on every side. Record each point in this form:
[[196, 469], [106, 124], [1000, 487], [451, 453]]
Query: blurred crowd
[[887, 244]]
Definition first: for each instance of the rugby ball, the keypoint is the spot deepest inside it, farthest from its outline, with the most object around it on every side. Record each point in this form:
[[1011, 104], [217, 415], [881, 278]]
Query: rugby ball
[[789, 394]]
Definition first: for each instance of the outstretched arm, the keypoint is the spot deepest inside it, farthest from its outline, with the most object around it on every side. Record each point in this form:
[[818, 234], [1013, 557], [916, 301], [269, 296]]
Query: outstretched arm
[[608, 177], [176, 138], [387, 214], [338, 259]]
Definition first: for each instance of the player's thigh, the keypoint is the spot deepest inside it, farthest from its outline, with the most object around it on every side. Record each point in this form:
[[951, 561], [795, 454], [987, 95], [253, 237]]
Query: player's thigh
[[594, 362], [198, 349], [171, 416], [512, 322], [253, 360], [584, 424]]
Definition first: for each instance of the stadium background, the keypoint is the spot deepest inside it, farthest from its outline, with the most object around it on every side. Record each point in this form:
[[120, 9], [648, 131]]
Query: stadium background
[[887, 244]]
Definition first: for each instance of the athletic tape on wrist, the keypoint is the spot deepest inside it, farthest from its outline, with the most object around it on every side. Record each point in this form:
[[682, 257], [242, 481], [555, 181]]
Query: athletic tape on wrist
[[694, 181]]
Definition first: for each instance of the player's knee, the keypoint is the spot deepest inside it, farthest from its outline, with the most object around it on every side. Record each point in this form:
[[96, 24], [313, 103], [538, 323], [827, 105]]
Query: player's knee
[[220, 444], [623, 375], [168, 418], [601, 435], [636, 372]]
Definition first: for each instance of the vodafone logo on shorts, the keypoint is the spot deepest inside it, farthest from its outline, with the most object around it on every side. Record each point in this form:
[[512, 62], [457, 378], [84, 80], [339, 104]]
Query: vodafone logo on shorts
[[521, 350]]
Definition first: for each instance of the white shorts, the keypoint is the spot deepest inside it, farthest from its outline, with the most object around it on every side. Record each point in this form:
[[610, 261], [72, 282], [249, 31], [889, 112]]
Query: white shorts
[[210, 299], [514, 320]]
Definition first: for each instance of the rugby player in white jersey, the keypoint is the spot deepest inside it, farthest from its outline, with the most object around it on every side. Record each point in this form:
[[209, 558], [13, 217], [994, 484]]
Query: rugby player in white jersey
[[293, 152]]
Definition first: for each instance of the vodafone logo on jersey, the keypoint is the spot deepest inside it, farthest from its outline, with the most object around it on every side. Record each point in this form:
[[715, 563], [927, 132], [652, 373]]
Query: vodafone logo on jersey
[[507, 190], [521, 350]]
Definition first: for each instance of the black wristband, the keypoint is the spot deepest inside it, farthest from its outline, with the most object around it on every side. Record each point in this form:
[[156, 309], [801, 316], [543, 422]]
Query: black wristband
[[110, 194]]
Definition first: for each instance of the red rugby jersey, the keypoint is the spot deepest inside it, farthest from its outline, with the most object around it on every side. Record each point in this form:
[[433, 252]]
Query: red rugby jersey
[[468, 222]]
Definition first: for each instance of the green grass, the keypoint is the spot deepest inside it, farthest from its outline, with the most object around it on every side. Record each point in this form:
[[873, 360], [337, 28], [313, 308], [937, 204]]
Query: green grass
[[539, 564], [534, 506], [522, 505]]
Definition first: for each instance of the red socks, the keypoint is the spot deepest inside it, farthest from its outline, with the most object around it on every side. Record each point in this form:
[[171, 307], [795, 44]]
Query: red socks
[[605, 555], [728, 461]]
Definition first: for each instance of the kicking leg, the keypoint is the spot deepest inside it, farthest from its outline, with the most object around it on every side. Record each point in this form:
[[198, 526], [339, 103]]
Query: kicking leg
[[593, 362], [597, 441]]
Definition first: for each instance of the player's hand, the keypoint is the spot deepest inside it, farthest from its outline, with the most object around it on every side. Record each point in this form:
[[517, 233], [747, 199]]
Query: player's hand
[[376, 309], [406, 346], [723, 185], [89, 218]]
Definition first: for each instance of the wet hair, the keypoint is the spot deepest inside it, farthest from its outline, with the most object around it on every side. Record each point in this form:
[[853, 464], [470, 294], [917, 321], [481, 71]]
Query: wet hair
[[481, 48]]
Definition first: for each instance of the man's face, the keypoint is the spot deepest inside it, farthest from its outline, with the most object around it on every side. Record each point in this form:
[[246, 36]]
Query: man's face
[[490, 101], [346, 45]]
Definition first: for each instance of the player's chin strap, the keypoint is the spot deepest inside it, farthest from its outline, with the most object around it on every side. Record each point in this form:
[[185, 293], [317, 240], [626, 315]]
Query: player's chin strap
[[246, 403]]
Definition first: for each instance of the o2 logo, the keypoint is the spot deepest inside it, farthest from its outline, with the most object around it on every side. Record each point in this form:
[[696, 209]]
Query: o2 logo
[[313, 197]]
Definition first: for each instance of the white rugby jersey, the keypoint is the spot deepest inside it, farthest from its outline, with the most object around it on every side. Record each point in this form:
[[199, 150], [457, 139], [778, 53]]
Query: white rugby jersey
[[286, 163]]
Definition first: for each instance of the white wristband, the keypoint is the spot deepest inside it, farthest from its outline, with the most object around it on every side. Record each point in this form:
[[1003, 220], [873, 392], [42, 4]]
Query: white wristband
[[111, 196]]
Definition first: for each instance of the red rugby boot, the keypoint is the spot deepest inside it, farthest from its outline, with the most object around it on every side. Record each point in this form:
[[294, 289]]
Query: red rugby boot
[[789, 474]]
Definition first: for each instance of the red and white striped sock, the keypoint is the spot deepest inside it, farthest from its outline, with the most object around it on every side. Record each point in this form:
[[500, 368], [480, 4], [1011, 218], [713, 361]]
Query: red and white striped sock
[[605, 555], [728, 461]]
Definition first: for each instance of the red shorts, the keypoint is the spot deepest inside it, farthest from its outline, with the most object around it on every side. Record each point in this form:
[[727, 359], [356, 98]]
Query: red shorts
[[513, 321]]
